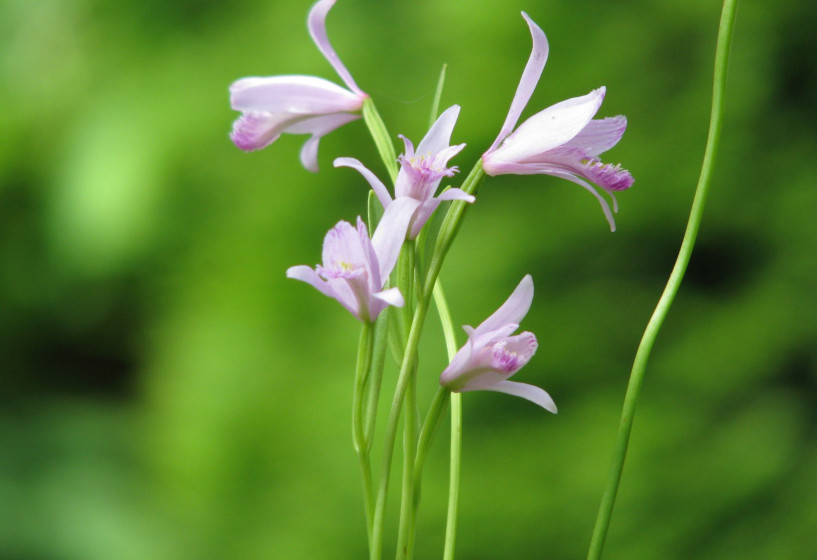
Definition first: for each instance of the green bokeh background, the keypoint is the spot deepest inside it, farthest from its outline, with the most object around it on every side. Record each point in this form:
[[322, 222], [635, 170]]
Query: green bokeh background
[[166, 393]]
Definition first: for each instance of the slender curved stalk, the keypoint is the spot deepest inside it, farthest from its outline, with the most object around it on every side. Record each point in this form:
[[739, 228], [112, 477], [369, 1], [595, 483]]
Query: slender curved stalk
[[674, 282], [364, 364], [453, 477], [406, 371], [430, 425], [381, 327], [448, 231], [405, 535], [456, 430], [429, 430]]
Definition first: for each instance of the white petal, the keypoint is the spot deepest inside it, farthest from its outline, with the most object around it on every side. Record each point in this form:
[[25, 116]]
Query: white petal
[[512, 311], [530, 392], [599, 135], [392, 296], [390, 234], [550, 128], [438, 136], [296, 95]]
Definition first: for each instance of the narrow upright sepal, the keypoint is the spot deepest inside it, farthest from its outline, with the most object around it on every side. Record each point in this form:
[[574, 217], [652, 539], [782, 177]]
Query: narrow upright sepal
[[296, 104]]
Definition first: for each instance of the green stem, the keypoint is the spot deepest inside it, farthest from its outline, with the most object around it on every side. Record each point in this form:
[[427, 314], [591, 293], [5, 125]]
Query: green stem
[[454, 477], [430, 426], [381, 327], [405, 535], [361, 445], [406, 371], [411, 491], [408, 509], [674, 282], [448, 231], [456, 429], [450, 227]]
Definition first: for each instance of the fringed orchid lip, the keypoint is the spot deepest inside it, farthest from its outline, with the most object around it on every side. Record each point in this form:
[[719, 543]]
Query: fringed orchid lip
[[296, 104], [563, 140], [492, 354]]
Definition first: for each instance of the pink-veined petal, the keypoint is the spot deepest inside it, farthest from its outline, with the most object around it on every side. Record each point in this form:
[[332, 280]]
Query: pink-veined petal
[[348, 293], [530, 77], [421, 216], [514, 352], [377, 185], [512, 311], [256, 130], [606, 175], [318, 127], [295, 95], [530, 392], [390, 234], [372, 268], [438, 136], [549, 128], [342, 247], [489, 338], [408, 146], [599, 135], [459, 363], [316, 23]]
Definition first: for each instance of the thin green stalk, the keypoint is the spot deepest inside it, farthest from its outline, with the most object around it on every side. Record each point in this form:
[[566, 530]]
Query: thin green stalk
[[381, 327], [405, 534], [406, 371], [411, 490], [454, 477], [405, 540], [445, 320], [429, 430], [674, 282], [408, 505], [455, 461], [364, 363], [450, 227], [430, 427], [401, 317], [448, 231]]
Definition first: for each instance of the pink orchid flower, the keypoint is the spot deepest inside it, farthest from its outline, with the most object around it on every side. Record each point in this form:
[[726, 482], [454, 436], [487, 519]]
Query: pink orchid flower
[[421, 171], [492, 355], [356, 268], [563, 140], [296, 104]]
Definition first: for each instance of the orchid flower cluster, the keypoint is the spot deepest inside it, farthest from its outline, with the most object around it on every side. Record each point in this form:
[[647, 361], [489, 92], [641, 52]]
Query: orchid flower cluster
[[395, 260]]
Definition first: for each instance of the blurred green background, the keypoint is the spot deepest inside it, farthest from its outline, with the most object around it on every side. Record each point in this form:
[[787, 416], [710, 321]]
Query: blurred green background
[[167, 393]]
